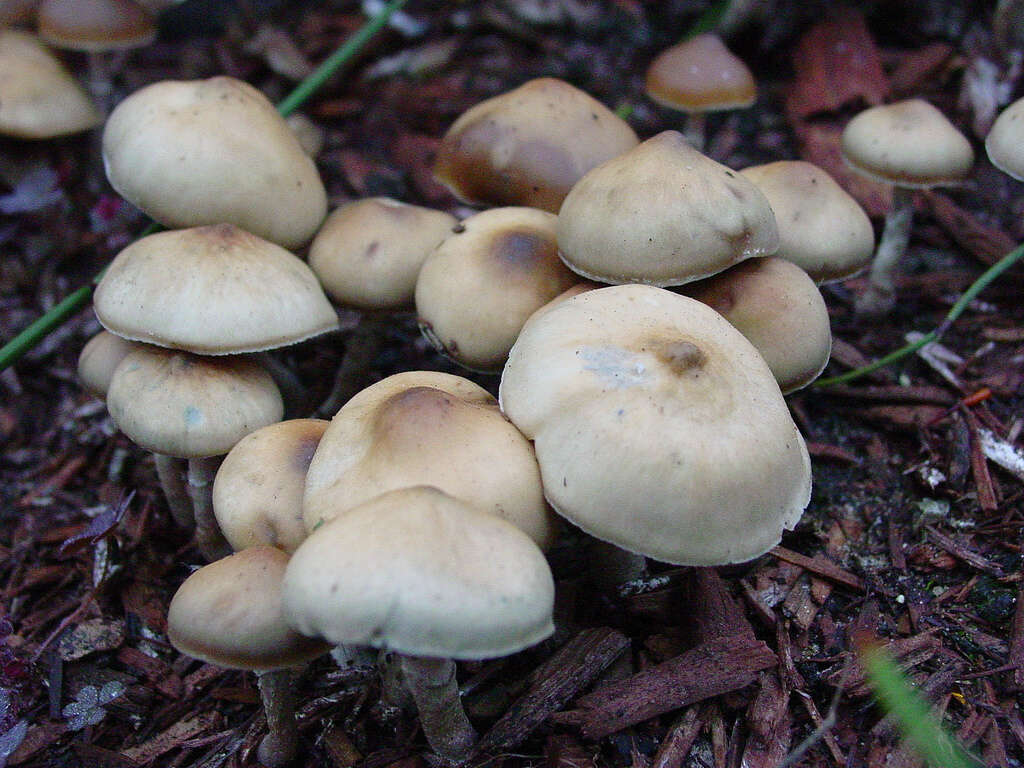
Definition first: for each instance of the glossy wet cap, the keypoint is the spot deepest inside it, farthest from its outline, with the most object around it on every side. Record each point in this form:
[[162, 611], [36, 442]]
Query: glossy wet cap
[[700, 75]]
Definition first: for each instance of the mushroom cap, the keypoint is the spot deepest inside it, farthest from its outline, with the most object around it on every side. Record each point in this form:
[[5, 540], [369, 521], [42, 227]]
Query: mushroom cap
[[257, 494], [529, 146], [822, 229], [216, 290], [368, 253], [199, 152], [228, 613], [427, 428], [39, 99], [779, 309], [478, 287], [700, 75], [420, 572], [95, 25], [189, 406], [99, 359], [663, 214], [1005, 141], [910, 144], [657, 426]]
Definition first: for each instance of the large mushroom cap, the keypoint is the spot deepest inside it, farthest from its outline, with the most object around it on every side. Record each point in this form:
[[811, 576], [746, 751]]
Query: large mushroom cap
[[189, 406], [663, 214], [530, 145], [228, 613], [700, 75], [38, 98], [658, 427], [427, 428], [421, 573], [95, 25], [909, 143], [1005, 141], [210, 151], [215, 290]]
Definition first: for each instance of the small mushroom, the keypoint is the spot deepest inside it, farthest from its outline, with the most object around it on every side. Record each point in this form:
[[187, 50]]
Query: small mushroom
[[1005, 142]]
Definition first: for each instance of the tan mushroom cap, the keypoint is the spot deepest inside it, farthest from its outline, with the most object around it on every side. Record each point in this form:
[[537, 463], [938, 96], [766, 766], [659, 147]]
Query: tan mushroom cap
[[257, 494], [700, 75], [228, 613], [98, 360], [657, 426], [215, 290], [1005, 141], [822, 229], [427, 428], [910, 144], [199, 152], [39, 99], [368, 253], [663, 214], [530, 145], [189, 406], [489, 275], [95, 25], [420, 572], [779, 309]]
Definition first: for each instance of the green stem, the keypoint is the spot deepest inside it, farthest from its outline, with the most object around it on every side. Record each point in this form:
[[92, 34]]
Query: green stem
[[986, 279], [13, 350]]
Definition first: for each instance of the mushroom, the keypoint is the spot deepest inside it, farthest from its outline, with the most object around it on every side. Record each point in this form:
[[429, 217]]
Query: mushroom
[[529, 146], [478, 287], [432, 578], [211, 151], [822, 229], [228, 613], [1003, 143], [911, 145], [698, 76], [663, 214]]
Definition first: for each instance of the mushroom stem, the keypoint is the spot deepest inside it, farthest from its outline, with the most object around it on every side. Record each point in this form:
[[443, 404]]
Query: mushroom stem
[[880, 296], [171, 472], [393, 689], [436, 692], [293, 392], [209, 539], [611, 566], [695, 130], [277, 688], [362, 347]]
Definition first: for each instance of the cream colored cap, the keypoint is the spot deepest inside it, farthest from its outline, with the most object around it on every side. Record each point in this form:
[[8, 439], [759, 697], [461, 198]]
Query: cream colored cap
[[189, 406], [38, 98], [822, 229], [427, 428], [368, 253], [780, 310], [530, 145], [210, 151], [228, 613], [99, 358], [1005, 141], [489, 275], [216, 290], [910, 144], [663, 214], [95, 25], [257, 494], [700, 75], [657, 426], [420, 572]]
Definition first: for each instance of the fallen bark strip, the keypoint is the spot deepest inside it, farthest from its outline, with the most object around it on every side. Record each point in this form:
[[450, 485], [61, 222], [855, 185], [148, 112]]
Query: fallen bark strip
[[819, 566], [716, 666], [961, 552], [575, 666]]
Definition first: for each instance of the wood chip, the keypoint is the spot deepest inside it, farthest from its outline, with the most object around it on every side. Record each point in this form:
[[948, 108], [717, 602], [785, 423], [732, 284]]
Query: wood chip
[[961, 552], [173, 737], [984, 242], [820, 566], [676, 745]]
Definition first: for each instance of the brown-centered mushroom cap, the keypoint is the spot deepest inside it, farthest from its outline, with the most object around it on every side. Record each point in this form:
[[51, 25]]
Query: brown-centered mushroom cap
[[478, 287], [99, 359], [228, 613], [657, 426], [420, 572], [210, 151], [257, 495], [1005, 141], [910, 144], [530, 145], [95, 25], [38, 98], [663, 214], [427, 428], [188, 406], [700, 75], [215, 290]]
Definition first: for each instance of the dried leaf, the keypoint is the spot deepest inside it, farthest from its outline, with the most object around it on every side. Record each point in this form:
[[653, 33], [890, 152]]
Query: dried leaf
[[100, 526]]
